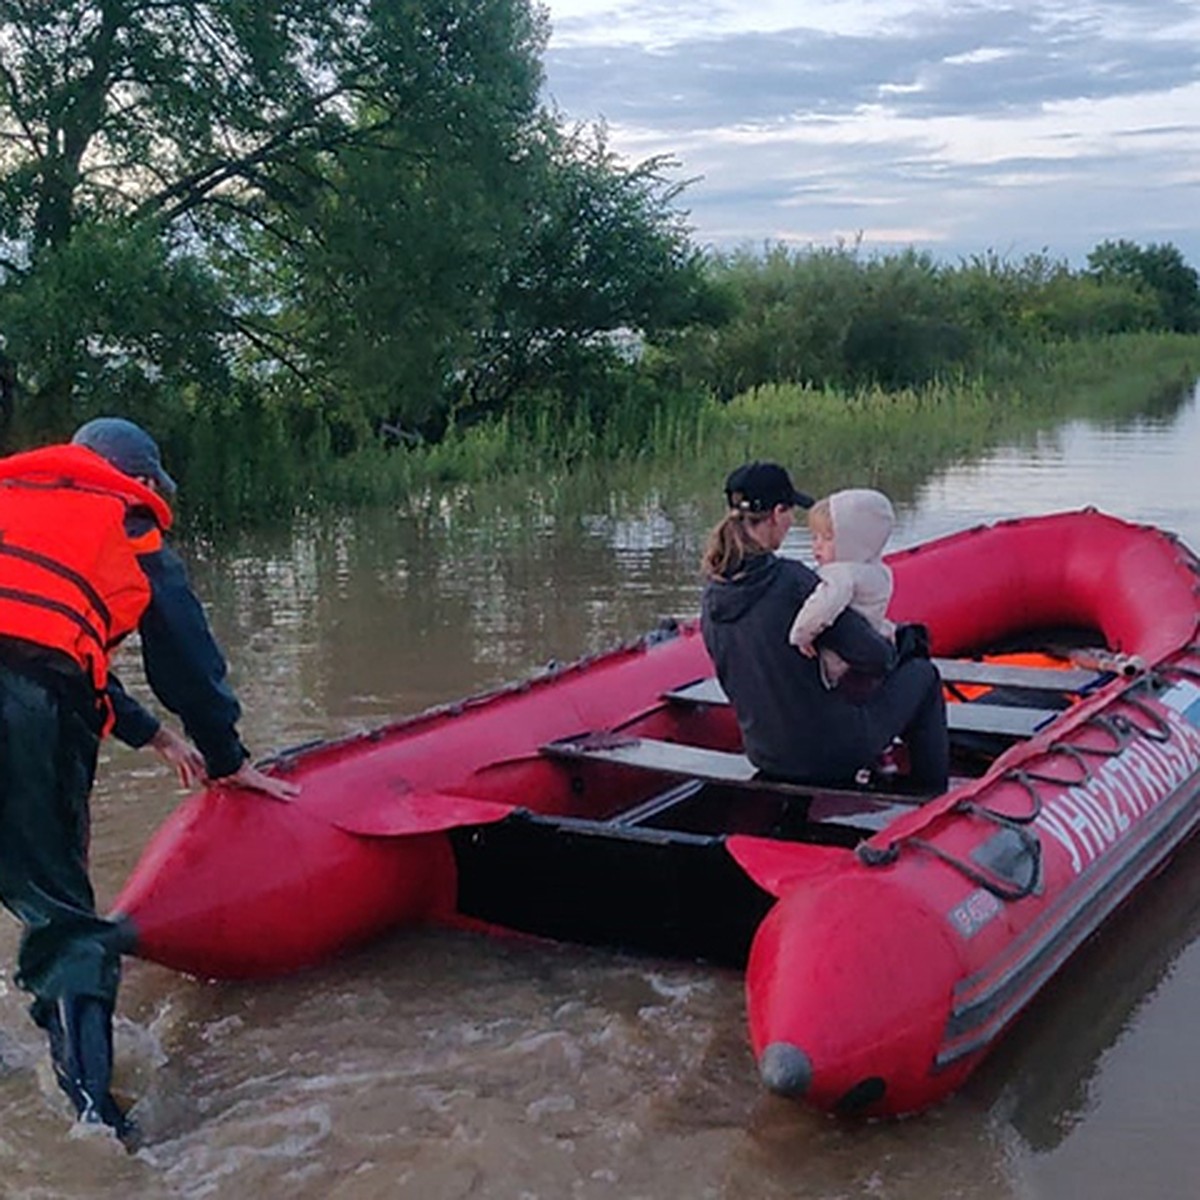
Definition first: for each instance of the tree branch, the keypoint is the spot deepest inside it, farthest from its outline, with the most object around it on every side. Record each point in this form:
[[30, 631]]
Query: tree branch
[[262, 341]]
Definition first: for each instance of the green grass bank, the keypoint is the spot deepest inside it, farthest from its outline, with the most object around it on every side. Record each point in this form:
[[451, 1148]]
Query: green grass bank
[[869, 435]]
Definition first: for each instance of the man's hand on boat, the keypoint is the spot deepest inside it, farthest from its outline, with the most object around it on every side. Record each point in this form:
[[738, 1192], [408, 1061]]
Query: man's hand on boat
[[252, 779], [180, 755], [188, 763]]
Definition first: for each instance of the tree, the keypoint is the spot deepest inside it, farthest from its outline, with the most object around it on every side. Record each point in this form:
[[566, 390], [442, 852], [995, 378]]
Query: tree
[[346, 208], [1160, 270], [208, 130], [111, 312], [602, 249]]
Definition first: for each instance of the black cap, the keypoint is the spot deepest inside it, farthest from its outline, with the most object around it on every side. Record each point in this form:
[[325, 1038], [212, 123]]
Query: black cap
[[759, 486], [127, 446]]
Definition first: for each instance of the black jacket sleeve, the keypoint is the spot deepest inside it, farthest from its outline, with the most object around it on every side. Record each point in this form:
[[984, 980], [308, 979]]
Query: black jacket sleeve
[[132, 723], [852, 637], [184, 667]]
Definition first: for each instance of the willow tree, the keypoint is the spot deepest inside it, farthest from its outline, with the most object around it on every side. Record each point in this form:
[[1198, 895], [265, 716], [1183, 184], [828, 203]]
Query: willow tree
[[448, 294], [151, 151]]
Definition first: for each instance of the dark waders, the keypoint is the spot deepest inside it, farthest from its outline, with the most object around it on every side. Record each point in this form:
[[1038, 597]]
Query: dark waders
[[69, 957]]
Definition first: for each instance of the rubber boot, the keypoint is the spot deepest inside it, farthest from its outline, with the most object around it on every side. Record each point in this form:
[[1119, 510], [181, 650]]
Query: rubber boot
[[79, 1029]]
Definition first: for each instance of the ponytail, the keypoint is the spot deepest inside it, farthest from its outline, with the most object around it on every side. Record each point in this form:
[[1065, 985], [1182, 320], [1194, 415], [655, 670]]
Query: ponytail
[[731, 543]]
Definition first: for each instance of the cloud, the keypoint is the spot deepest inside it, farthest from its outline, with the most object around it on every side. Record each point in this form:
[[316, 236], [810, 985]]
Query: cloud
[[957, 124]]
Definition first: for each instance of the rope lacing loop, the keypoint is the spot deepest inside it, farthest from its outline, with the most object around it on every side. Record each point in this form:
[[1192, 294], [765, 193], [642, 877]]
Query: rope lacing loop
[[1026, 780], [1180, 670], [1025, 776], [1035, 807], [1121, 732], [1161, 732], [1001, 889]]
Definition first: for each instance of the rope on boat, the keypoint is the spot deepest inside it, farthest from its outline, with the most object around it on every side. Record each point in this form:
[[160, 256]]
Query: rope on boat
[[1026, 778], [1035, 808], [1000, 888], [1121, 732], [1162, 732], [992, 883], [1179, 669], [1121, 728]]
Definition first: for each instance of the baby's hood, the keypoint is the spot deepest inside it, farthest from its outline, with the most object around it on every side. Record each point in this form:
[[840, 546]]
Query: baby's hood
[[863, 520]]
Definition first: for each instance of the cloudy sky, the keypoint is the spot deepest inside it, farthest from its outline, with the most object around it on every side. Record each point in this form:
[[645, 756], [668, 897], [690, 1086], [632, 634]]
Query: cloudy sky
[[958, 127]]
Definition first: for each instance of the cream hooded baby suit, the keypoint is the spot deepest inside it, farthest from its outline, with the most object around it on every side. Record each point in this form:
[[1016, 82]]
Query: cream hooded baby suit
[[862, 520]]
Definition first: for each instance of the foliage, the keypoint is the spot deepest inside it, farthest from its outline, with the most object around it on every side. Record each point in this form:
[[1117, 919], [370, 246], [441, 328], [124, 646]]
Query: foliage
[[437, 298], [358, 209], [372, 265], [1160, 272], [312, 239], [158, 120], [869, 434], [604, 260], [834, 317], [111, 313]]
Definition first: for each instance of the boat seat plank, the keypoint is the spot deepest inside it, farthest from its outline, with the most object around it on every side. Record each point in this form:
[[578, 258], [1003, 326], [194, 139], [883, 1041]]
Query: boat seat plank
[[651, 754], [988, 674], [712, 766], [1008, 720]]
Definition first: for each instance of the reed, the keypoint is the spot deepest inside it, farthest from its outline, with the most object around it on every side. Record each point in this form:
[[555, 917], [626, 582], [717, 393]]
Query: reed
[[869, 433]]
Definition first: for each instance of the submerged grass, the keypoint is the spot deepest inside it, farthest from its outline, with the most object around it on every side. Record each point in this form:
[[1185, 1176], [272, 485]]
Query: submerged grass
[[865, 436]]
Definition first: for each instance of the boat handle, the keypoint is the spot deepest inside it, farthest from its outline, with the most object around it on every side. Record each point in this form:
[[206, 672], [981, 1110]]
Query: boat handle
[[984, 879], [1161, 732], [882, 856], [1074, 753], [1035, 804]]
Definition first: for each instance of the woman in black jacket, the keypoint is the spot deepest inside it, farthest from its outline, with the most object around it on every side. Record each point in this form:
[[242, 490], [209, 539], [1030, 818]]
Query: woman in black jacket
[[792, 726]]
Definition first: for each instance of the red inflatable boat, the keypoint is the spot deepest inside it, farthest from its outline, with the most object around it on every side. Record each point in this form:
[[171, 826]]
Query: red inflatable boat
[[888, 940]]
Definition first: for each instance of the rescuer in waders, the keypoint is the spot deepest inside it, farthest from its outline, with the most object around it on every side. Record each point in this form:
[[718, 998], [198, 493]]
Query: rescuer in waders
[[82, 564]]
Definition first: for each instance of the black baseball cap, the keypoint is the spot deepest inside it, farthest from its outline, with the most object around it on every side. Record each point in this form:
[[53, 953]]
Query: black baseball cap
[[760, 486], [127, 446]]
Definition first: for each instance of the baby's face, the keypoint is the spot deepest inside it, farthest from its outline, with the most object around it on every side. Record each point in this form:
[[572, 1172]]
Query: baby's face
[[823, 549]]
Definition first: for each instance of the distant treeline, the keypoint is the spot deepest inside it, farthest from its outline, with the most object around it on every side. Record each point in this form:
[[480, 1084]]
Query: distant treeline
[[308, 239], [836, 318]]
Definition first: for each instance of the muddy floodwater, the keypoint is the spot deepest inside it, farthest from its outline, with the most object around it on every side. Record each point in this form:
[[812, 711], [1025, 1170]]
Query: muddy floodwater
[[439, 1065]]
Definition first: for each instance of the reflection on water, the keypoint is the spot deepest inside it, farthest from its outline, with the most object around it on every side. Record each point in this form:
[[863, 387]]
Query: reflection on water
[[1142, 469], [1106, 1050], [442, 1065]]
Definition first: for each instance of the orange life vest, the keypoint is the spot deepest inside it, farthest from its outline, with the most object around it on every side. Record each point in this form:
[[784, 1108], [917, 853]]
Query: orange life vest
[[69, 575]]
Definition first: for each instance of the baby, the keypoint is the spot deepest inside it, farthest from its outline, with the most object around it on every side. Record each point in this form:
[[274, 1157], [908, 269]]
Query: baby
[[849, 531]]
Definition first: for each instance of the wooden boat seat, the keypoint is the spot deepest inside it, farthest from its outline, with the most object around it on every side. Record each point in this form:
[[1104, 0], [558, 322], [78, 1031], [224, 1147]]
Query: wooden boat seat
[[1015, 721], [671, 758], [862, 808], [989, 674]]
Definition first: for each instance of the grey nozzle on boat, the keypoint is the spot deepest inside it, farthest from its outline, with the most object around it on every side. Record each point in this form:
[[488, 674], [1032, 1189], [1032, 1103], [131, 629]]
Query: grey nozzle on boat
[[785, 1069]]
